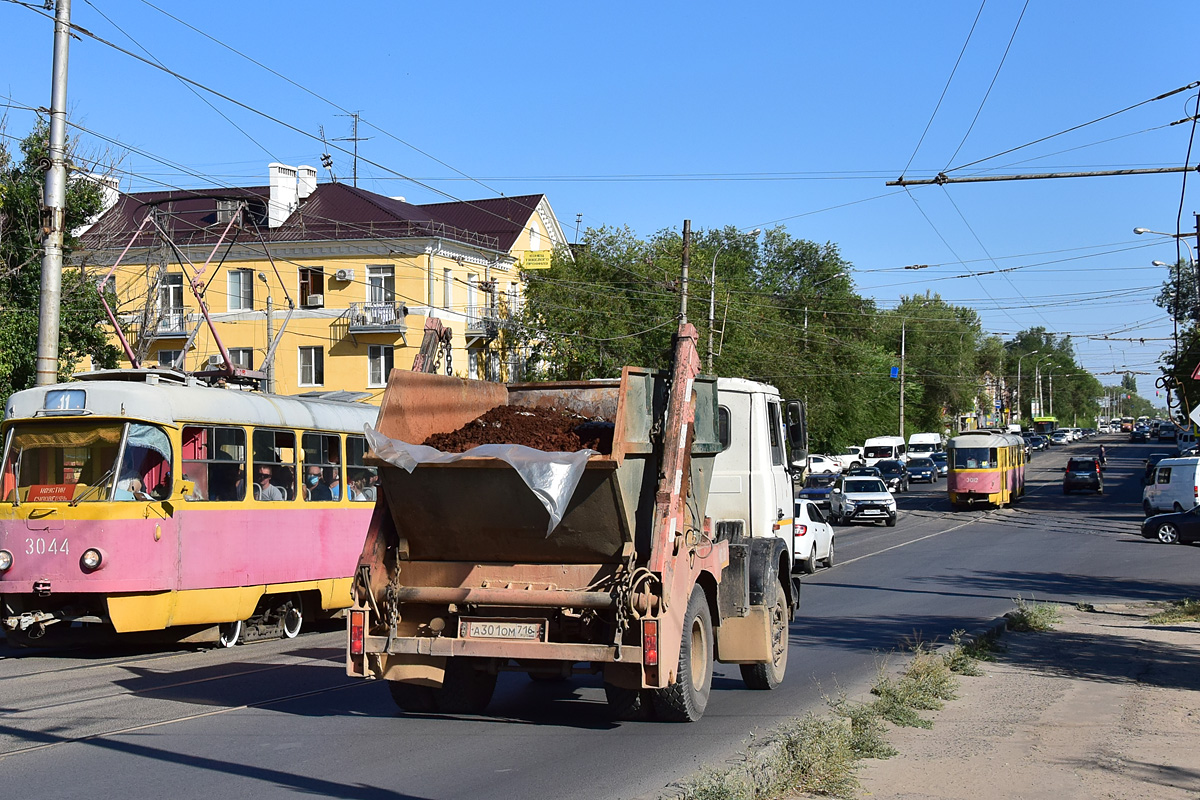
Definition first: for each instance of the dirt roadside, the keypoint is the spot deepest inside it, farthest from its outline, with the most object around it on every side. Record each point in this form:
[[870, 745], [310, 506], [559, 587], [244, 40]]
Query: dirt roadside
[[1103, 706]]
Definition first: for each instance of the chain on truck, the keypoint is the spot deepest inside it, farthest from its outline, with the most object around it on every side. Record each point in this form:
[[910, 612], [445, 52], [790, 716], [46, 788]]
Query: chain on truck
[[460, 578]]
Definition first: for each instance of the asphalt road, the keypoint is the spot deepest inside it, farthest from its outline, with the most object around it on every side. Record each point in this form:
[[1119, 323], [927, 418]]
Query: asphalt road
[[280, 718]]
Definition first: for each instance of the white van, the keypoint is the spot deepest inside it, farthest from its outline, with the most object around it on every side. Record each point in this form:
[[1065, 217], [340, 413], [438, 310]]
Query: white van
[[1174, 486], [1185, 439], [884, 447], [922, 444]]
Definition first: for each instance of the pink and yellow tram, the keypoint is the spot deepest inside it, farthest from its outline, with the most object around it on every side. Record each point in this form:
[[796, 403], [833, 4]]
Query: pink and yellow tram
[[143, 501], [986, 468]]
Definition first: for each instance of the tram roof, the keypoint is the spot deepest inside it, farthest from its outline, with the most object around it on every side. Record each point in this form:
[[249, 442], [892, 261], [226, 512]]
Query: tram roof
[[173, 402], [986, 439]]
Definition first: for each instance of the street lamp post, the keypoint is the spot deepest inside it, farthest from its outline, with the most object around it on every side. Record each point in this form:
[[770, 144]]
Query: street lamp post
[[712, 299], [1018, 403], [1179, 237], [1037, 374]]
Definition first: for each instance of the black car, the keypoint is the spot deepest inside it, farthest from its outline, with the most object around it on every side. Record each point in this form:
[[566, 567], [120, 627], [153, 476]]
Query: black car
[[869, 471], [1139, 435], [1083, 473], [1039, 442], [943, 465], [922, 469], [894, 474], [1181, 526], [817, 488]]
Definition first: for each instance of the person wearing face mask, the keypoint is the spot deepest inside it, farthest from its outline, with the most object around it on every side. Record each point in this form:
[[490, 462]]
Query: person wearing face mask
[[315, 489]]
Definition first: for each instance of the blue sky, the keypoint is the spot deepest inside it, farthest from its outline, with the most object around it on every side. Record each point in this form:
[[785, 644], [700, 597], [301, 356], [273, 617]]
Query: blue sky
[[644, 114]]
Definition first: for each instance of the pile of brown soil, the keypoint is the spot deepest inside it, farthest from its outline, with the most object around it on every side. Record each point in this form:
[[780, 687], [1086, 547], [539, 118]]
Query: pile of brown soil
[[542, 429]]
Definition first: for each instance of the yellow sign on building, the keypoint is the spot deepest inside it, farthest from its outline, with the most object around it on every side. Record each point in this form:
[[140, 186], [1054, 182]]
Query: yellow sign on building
[[537, 259]]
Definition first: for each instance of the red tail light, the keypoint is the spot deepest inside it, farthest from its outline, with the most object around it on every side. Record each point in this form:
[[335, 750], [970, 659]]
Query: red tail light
[[650, 643], [799, 530], [358, 621]]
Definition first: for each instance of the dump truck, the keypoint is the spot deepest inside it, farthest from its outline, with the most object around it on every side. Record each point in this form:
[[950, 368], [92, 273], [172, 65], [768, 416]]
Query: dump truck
[[645, 565]]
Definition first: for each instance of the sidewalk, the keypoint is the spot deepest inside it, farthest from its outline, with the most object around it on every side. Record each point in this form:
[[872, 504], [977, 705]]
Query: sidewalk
[[1104, 706]]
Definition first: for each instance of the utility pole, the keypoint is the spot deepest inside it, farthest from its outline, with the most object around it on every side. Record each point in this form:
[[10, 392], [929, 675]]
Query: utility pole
[[54, 213], [683, 284], [353, 137], [269, 367], [903, 323]]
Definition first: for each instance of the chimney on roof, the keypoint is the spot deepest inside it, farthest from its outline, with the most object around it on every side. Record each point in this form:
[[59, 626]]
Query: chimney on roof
[[284, 193], [306, 181]]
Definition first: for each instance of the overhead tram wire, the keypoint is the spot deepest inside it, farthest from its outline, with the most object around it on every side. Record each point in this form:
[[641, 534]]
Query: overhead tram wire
[[988, 93], [247, 107], [190, 88], [945, 89]]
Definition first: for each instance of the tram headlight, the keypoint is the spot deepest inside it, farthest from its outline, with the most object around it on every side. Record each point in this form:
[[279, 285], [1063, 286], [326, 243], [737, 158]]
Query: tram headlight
[[91, 560], [5, 560]]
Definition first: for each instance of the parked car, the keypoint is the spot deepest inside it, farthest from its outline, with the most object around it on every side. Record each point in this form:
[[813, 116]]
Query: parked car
[[812, 538], [943, 465], [894, 474], [823, 464], [861, 498], [817, 488], [1173, 528], [872, 472], [1083, 473], [1175, 486], [922, 469]]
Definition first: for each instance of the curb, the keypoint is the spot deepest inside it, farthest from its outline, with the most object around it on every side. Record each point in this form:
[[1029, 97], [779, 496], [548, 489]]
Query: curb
[[756, 765]]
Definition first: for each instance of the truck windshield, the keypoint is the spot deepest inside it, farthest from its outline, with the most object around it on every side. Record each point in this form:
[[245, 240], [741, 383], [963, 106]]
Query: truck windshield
[[880, 451], [921, 447], [72, 461]]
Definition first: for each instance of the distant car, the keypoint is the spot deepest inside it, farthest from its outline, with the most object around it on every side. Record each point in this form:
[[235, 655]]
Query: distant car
[[1151, 463], [1060, 437], [817, 488], [1167, 432], [823, 464], [812, 538], [943, 465], [1083, 473], [872, 472], [1139, 435], [861, 498], [922, 469], [894, 474], [1181, 526], [1038, 442]]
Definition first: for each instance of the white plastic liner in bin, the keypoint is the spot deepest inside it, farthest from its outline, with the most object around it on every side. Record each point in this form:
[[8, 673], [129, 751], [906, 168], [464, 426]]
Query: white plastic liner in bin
[[552, 477]]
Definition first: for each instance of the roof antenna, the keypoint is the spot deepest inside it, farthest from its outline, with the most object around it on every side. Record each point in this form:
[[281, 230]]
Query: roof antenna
[[354, 137]]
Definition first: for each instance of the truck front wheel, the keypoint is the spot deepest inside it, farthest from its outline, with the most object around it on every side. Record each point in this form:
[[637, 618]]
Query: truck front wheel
[[770, 674], [686, 699]]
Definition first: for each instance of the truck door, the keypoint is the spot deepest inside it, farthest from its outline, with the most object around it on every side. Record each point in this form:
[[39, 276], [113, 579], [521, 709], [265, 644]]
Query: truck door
[[781, 479]]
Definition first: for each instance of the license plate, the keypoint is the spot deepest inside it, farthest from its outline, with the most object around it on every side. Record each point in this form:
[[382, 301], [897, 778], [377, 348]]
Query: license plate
[[513, 629]]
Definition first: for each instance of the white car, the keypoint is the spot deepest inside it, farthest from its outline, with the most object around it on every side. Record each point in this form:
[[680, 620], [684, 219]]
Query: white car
[[823, 464], [852, 456], [812, 538], [857, 497]]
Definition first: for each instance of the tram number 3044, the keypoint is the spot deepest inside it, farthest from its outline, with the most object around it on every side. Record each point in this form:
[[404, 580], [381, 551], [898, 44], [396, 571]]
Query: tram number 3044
[[41, 547]]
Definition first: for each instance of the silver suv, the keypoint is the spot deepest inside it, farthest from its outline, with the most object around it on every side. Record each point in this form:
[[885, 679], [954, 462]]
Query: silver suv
[[861, 498]]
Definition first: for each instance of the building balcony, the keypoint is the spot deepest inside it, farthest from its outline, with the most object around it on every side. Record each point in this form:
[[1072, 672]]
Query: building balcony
[[172, 323], [362, 318], [482, 322]]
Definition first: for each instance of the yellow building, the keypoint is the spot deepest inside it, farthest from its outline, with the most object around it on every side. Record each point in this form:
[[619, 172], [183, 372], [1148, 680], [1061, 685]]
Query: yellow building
[[349, 276]]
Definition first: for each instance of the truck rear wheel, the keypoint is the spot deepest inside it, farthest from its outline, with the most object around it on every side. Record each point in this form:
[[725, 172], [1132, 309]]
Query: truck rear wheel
[[770, 674], [686, 699], [466, 689], [412, 698]]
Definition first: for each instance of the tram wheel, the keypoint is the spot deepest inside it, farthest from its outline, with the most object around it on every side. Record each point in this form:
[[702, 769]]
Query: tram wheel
[[230, 633], [291, 616]]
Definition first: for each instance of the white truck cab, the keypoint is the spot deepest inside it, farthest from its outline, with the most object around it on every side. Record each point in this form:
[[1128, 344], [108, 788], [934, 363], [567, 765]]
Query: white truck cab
[[884, 447], [752, 479], [925, 443]]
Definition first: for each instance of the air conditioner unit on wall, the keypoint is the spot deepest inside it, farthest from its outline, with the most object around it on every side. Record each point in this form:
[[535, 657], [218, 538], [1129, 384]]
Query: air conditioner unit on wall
[[316, 300], [215, 360], [344, 275]]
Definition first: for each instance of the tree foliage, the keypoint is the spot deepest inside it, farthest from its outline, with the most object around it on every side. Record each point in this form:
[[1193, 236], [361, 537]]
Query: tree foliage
[[83, 330]]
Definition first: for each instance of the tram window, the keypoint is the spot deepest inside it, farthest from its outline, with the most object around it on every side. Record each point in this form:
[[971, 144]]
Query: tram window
[[145, 471], [364, 480], [974, 458], [214, 460], [322, 466], [274, 465]]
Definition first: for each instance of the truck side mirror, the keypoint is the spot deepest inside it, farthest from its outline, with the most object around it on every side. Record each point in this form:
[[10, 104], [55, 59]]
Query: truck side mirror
[[797, 429]]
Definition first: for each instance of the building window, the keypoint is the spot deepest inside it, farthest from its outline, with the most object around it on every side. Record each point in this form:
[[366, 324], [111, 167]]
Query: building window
[[312, 366], [242, 357], [514, 299], [473, 364], [380, 359], [170, 302], [535, 238], [447, 288], [167, 358], [312, 287], [381, 285], [109, 287], [241, 290]]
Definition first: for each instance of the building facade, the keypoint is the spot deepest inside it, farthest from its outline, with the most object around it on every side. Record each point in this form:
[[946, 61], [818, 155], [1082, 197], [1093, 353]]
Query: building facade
[[349, 277]]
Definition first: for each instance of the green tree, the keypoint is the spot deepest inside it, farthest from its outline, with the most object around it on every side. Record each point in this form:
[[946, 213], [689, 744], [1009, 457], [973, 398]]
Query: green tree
[[83, 326]]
